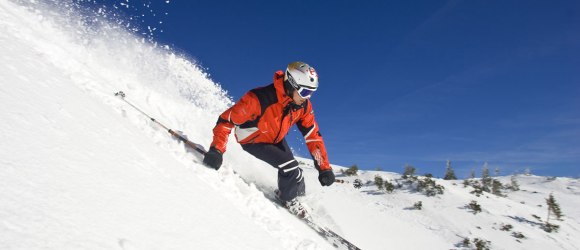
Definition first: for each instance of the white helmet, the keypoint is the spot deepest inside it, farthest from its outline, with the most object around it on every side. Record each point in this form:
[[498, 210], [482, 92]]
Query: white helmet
[[302, 78]]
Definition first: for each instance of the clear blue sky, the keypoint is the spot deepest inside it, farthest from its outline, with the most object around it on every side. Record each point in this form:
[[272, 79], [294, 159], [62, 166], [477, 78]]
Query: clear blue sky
[[406, 82]]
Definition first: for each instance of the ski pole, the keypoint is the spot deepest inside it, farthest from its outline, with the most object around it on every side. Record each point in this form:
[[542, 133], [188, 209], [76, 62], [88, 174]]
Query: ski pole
[[121, 95]]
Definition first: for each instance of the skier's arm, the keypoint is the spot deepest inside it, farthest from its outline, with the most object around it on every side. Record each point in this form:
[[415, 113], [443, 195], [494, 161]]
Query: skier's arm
[[247, 108], [309, 129]]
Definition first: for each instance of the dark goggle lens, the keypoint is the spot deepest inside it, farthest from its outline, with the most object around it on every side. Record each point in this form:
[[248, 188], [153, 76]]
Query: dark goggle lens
[[305, 93]]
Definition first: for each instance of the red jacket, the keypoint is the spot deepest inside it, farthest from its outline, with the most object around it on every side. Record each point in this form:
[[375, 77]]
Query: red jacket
[[265, 115]]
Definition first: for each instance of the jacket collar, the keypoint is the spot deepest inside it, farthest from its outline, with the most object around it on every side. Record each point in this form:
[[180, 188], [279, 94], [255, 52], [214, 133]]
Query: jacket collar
[[279, 86]]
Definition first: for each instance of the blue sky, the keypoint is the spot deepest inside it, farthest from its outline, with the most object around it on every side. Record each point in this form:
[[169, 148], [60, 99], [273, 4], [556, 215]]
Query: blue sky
[[406, 82]]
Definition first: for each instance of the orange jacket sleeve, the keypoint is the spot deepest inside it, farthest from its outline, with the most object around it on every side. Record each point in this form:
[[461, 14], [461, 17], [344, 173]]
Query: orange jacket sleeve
[[247, 108], [309, 129]]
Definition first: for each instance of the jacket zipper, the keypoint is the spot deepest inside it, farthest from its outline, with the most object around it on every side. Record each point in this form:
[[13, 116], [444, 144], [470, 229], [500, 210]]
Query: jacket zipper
[[286, 111]]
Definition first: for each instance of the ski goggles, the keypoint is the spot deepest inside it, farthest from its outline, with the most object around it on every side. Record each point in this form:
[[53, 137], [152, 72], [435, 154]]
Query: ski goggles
[[303, 91]]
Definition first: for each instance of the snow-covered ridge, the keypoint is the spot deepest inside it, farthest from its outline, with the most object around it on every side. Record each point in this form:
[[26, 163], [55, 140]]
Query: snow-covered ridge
[[80, 169]]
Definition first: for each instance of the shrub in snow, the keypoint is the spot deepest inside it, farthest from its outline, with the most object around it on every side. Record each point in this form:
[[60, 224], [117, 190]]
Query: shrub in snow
[[418, 205], [384, 184], [466, 183], [518, 235], [487, 184], [389, 186], [549, 227], [425, 185], [429, 187], [477, 190], [353, 170], [465, 242], [506, 227], [379, 182], [481, 244], [357, 184], [474, 206]]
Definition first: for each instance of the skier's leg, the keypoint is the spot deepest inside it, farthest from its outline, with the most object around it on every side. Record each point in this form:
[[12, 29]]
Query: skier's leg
[[290, 179], [291, 184]]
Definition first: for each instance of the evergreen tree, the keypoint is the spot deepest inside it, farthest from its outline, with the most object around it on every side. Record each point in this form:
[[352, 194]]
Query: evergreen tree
[[409, 171], [485, 171], [496, 187], [486, 180], [472, 174], [515, 186], [449, 173], [496, 171], [553, 208]]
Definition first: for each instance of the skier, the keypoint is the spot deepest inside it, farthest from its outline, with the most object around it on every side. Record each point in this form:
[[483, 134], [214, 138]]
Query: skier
[[263, 117]]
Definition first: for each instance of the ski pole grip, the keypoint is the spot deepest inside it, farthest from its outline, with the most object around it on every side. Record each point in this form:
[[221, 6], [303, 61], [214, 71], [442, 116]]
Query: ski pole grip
[[187, 142], [174, 134], [178, 136]]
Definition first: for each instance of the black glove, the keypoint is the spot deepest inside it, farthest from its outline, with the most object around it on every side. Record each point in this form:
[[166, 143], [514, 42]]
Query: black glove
[[213, 158], [326, 177]]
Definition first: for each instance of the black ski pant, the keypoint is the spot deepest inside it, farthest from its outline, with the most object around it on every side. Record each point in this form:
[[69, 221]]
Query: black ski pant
[[290, 179]]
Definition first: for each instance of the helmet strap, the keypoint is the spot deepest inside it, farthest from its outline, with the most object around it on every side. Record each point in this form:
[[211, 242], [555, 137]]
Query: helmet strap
[[288, 88]]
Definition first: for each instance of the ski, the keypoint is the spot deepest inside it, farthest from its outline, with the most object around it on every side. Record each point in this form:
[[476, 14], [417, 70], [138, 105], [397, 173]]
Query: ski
[[329, 235], [332, 237]]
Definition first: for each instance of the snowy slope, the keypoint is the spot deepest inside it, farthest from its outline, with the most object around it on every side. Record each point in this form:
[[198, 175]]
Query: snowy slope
[[445, 217], [80, 169]]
